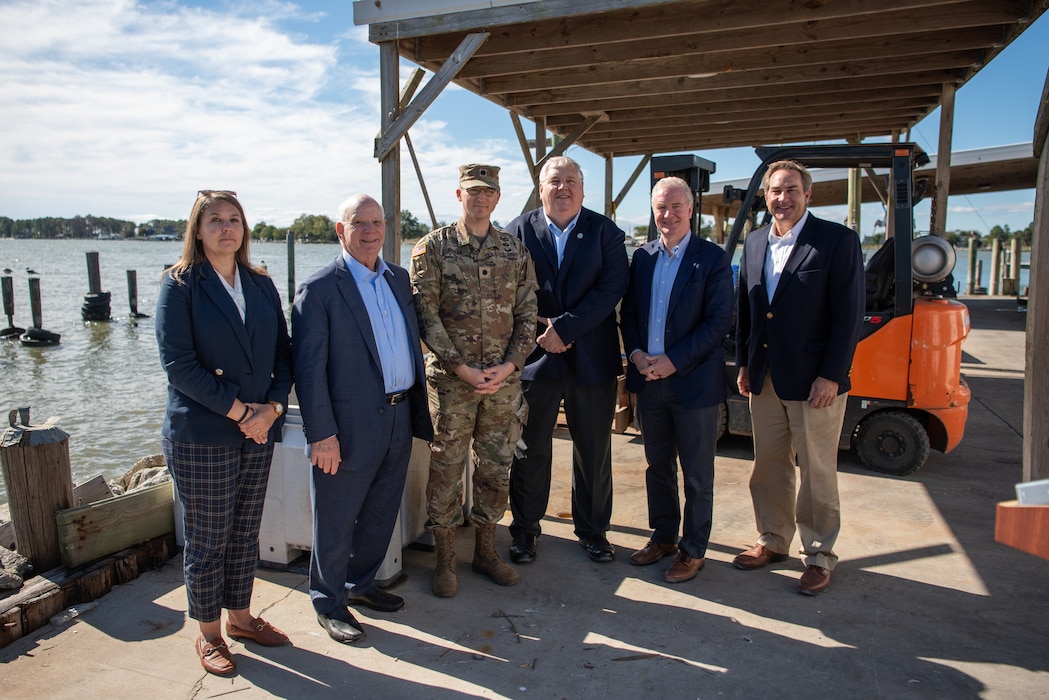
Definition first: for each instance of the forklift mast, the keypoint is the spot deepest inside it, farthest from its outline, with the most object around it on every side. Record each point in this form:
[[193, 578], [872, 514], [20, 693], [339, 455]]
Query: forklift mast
[[692, 169], [900, 158]]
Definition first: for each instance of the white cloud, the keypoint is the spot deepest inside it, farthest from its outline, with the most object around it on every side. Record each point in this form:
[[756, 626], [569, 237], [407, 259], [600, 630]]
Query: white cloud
[[121, 109]]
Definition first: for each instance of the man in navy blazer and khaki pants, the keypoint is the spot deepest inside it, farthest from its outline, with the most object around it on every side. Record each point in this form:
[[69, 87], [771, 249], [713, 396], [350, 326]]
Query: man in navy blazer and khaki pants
[[361, 390], [581, 268], [800, 313], [675, 316]]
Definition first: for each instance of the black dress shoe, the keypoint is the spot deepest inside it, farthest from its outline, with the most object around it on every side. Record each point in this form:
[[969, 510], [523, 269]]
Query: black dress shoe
[[522, 551], [342, 626], [378, 600], [598, 548]]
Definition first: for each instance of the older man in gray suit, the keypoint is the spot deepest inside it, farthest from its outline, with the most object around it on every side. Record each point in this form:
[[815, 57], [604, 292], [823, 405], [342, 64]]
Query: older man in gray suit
[[361, 389]]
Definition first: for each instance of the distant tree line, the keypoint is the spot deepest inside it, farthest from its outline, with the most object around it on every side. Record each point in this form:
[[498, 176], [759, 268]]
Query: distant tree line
[[309, 228], [53, 227], [317, 228], [314, 228]]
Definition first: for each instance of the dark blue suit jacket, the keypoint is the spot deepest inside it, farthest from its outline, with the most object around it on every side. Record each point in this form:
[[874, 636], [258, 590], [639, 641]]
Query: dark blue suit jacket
[[811, 327], [698, 319], [340, 387], [212, 357], [580, 298]]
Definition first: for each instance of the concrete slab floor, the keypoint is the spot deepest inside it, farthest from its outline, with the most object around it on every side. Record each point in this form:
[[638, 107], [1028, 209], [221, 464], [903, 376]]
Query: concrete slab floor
[[923, 603]]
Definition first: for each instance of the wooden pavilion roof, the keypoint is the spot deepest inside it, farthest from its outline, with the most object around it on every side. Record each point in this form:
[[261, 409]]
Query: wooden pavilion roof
[[636, 77]]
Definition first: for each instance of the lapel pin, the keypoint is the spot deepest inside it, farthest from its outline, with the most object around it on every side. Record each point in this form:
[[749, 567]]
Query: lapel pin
[[579, 235]]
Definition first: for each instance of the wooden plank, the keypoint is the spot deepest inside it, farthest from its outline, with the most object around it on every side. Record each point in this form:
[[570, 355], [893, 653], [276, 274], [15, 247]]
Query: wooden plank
[[711, 16], [786, 37], [1024, 527], [496, 16], [823, 55], [91, 491], [100, 529]]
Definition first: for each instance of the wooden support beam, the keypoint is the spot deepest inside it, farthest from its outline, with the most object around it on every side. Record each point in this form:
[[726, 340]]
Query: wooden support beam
[[938, 217], [390, 158], [1036, 381], [392, 132]]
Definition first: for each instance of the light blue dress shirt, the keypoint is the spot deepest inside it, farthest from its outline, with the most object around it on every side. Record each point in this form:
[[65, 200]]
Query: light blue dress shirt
[[561, 237], [667, 264], [388, 326]]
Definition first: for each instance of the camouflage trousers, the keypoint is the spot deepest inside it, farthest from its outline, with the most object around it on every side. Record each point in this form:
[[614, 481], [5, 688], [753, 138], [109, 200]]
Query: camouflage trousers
[[493, 423]]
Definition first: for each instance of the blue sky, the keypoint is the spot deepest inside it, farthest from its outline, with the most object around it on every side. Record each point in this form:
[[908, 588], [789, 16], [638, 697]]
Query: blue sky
[[125, 109]]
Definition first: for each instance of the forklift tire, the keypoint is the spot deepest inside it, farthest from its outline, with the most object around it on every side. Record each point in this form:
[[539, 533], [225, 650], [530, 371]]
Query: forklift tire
[[892, 442], [722, 426]]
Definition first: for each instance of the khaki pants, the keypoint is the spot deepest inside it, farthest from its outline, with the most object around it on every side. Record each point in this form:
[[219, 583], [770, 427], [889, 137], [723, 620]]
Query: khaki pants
[[783, 431]]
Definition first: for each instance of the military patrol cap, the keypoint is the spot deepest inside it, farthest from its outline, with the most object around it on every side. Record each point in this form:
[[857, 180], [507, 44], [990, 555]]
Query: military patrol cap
[[475, 175]]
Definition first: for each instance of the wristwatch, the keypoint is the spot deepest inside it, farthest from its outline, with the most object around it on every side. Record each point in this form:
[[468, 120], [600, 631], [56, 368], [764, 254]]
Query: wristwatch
[[278, 407]]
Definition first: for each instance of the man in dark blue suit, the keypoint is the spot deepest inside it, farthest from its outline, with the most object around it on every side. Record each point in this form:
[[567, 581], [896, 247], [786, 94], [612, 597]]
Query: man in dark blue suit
[[675, 316], [581, 268], [362, 395], [801, 295]]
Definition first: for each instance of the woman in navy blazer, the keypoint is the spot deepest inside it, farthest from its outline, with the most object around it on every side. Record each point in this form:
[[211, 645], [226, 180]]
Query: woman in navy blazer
[[224, 344]]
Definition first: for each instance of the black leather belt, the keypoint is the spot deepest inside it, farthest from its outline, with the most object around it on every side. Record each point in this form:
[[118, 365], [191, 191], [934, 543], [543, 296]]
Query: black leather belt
[[396, 397]]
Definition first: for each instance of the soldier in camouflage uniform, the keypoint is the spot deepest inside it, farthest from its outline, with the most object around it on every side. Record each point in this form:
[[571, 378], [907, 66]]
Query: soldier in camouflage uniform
[[474, 289]]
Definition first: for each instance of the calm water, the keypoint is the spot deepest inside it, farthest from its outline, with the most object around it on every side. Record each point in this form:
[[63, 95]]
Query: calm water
[[104, 380]]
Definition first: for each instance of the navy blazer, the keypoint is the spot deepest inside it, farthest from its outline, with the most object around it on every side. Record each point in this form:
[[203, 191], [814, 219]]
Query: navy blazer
[[580, 297], [698, 319], [813, 322], [212, 357], [340, 385]]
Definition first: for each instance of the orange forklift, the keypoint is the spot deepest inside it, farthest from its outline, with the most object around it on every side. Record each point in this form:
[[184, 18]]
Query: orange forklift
[[907, 392]]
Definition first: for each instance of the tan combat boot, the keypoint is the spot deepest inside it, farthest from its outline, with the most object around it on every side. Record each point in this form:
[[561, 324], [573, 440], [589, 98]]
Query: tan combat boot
[[445, 584], [487, 562]]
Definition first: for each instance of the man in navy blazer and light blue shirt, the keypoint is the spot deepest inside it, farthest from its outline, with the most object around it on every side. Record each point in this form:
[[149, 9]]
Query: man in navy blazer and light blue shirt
[[801, 296], [581, 267], [362, 395], [675, 316]]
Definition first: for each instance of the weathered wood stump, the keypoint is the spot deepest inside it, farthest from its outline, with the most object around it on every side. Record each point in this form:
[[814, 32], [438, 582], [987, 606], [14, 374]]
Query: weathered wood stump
[[39, 481]]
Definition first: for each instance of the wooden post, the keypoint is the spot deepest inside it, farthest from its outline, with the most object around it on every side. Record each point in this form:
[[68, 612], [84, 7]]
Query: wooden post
[[970, 286], [291, 268], [39, 483], [1036, 380], [996, 267], [34, 302], [94, 275], [938, 213], [132, 293]]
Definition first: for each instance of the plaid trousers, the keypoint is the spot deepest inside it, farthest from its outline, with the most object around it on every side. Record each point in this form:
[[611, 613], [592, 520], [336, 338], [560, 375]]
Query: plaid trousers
[[222, 490]]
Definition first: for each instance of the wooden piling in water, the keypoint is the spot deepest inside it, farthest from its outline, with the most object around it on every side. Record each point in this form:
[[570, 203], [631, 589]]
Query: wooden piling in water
[[94, 275], [96, 302], [36, 335], [8, 290], [291, 268], [39, 481], [132, 294]]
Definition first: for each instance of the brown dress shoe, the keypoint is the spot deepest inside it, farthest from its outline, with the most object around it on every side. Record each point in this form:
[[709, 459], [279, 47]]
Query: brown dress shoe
[[215, 656], [261, 632], [652, 552], [684, 569], [814, 581], [757, 557]]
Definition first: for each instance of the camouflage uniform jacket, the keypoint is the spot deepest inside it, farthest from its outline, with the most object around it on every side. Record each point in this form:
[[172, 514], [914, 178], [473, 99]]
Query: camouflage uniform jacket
[[475, 299]]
